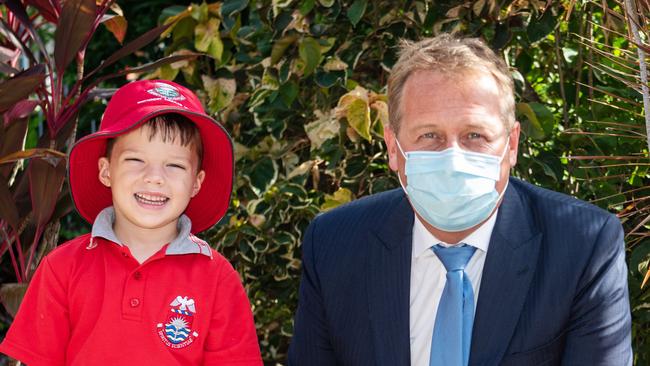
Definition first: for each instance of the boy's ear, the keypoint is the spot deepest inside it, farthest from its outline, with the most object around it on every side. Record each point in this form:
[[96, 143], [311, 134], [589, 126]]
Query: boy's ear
[[104, 174], [200, 176]]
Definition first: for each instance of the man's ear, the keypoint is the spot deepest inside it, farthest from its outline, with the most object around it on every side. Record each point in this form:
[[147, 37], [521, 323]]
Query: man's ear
[[514, 143], [391, 148], [198, 181], [104, 175]]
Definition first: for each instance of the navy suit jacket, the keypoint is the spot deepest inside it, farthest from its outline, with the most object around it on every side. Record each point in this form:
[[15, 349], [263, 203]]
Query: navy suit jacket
[[553, 291]]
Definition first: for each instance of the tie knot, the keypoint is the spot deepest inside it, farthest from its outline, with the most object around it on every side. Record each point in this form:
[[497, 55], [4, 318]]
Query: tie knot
[[454, 258]]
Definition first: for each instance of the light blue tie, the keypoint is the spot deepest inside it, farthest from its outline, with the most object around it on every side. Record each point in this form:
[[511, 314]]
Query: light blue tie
[[452, 332]]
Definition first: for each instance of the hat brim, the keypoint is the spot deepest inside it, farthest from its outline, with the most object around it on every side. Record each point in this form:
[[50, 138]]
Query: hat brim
[[205, 209]]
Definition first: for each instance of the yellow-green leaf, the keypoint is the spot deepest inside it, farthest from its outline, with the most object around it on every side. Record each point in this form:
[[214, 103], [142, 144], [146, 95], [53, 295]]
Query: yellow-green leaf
[[280, 47], [220, 91], [358, 116], [341, 196], [208, 39]]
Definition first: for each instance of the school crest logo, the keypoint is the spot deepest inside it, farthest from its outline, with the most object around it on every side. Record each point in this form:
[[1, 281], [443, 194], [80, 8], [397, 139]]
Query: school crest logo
[[166, 92], [177, 331]]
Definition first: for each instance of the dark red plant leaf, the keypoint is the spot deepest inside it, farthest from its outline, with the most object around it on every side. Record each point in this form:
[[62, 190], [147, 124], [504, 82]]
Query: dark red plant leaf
[[20, 86], [12, 136], [20, 110], [45, 181], [46, 9], [12, 295], [117, 25], [131, 47], [18, 10], [75, 27], [8, 210]]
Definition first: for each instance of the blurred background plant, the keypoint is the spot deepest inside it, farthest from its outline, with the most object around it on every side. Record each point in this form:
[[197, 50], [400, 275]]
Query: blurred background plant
[[42, 90], [300, 85]]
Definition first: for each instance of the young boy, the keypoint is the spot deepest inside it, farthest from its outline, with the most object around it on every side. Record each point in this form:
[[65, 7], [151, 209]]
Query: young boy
[[141, 289]]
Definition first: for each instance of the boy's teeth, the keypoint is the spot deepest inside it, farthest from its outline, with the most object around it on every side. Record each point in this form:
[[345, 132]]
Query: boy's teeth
[[151, 198]]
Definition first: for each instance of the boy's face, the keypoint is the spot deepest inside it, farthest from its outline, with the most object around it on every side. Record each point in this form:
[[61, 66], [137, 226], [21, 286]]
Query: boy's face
[[151, 181]]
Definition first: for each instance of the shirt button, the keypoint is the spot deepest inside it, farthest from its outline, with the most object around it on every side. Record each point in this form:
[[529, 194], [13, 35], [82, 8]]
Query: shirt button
[[135, 302], [137, 275]]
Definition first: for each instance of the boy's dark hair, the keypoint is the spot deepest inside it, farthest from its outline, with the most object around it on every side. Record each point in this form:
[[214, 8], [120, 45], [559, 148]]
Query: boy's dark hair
[[170, 126]]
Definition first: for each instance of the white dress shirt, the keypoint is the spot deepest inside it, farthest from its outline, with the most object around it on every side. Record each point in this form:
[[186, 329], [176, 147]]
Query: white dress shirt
[[428, 277]]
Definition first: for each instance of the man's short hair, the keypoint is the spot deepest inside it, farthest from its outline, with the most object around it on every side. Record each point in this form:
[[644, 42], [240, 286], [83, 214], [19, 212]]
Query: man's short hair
[[449, 55], [170, 126]]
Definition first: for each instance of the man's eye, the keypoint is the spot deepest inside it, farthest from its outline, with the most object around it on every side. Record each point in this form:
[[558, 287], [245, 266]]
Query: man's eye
[[474, 136], [429, 135]]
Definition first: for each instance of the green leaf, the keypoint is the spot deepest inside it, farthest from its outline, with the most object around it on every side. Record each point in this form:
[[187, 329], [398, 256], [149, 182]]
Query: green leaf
[[327, 3], [310, 54], [220, 91], [540, 28], [358, 116], [537, 117], [288, 93], [263, 175], [356, 10], [230, 7], [306, 6], [75, 28]]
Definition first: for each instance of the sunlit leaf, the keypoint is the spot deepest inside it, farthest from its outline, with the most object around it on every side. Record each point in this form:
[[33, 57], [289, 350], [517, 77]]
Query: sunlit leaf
[[341, 196], [325, 127], [117, 26], [358, 116], [220, 91], [208, 39]]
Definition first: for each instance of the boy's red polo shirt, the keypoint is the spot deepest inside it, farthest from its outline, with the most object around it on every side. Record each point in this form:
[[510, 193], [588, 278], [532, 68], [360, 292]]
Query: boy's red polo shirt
[[91, 303]]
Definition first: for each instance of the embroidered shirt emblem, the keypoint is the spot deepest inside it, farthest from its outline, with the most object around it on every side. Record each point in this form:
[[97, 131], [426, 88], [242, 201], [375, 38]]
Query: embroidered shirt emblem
[[177, 331]]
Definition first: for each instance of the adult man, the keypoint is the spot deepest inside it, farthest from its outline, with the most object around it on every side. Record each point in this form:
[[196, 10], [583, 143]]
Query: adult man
[[543, 279]]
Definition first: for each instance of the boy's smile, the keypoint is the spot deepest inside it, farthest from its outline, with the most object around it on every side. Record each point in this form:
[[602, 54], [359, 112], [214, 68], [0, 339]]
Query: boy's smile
[[152, 182]]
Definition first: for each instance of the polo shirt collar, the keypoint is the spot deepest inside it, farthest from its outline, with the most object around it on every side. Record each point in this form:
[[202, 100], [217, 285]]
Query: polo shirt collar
[[423, 240], [185, 242]]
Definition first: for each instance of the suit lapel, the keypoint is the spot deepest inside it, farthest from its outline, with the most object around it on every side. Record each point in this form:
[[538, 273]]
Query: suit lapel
[[389, 272], [509, 267]]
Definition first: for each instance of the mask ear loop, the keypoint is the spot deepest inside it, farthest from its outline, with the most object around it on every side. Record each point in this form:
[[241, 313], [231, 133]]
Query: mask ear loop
[[399, 177]]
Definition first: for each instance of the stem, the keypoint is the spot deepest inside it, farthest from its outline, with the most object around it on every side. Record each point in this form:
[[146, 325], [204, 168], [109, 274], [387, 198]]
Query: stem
[[632, 14], [558, 55], [32, 250]]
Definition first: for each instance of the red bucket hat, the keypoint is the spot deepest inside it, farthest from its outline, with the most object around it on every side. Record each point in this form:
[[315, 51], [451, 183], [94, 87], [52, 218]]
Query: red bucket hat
[[131, 106]]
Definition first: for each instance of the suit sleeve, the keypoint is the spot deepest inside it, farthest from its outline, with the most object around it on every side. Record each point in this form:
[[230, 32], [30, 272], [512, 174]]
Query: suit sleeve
[[599, 331], [40, 332], [310, 344], [232, 340]]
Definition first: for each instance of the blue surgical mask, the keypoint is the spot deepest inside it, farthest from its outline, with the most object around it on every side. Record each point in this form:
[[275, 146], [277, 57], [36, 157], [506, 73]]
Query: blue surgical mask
[[453, 190]]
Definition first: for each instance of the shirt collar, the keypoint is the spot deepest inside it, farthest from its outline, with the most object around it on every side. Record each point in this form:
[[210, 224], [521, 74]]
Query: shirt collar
[[185, 242], [423, 240]]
